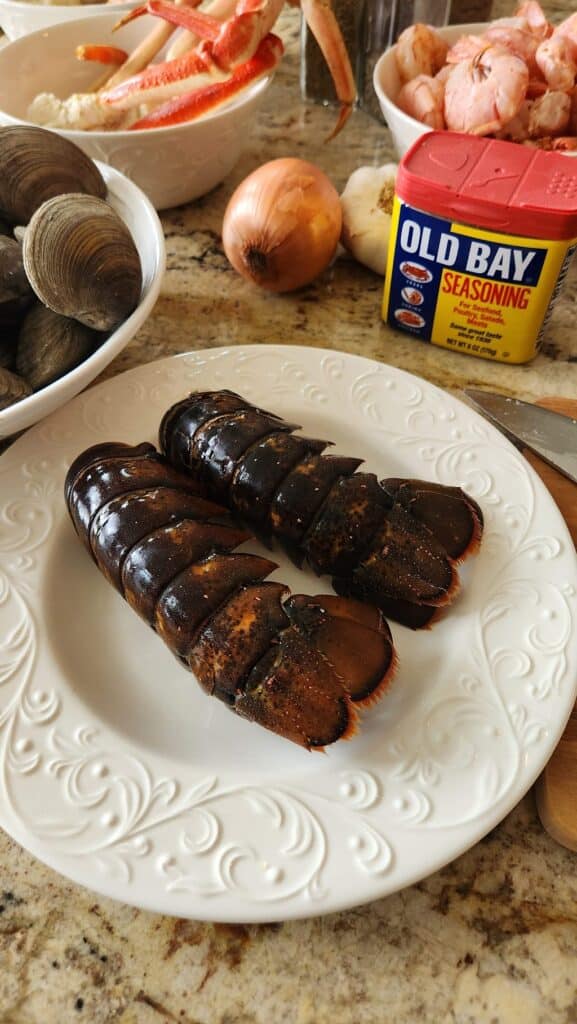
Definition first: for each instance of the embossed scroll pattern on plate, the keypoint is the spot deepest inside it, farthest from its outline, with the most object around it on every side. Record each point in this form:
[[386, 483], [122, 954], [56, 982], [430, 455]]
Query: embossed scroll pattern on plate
[[444, 760]]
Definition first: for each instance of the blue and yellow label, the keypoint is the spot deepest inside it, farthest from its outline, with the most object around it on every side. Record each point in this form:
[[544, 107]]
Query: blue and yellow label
[[473, 291]]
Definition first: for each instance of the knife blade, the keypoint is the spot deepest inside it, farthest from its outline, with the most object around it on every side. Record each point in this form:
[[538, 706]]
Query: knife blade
[[549, 434]]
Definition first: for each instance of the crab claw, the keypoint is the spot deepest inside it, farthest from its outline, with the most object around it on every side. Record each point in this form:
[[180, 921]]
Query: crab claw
[[102, 54], [193, 104]]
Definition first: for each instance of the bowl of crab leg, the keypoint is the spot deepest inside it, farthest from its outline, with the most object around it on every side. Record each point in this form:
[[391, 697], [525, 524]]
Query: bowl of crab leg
[[168, 92], [514, 78]]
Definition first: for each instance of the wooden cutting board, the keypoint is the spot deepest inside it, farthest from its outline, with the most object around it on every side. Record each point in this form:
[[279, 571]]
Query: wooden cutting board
[[556, 789]]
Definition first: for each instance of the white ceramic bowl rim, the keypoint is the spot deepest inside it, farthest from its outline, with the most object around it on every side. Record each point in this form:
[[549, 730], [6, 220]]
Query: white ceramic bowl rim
[[72, 133], [28, 406], [106, 6]]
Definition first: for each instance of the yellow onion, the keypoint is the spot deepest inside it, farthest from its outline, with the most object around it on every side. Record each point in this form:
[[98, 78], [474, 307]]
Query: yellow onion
[[282, 224]]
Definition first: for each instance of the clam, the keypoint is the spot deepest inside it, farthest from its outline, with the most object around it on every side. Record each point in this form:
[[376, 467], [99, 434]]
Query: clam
[[82, 262], [15, 291], [35, 165], [8, 342], [49, 345], [12, 388]]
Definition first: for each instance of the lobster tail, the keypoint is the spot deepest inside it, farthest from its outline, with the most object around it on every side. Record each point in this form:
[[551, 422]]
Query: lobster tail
[[395, 543], [274, 659]]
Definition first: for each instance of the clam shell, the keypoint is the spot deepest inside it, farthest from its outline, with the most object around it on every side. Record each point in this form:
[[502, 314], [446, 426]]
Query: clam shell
[[15, 291], [36, 164], [8, 342], [49, 345], [12, 388], [82, 262]]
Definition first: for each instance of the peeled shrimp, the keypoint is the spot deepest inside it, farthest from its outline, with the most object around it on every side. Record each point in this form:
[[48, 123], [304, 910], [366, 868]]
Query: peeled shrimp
[[549, 114], [536, 19], [513, 34], [484, 94], [466, 48], [556, 57], [422, 98], [517, 129], [420, 50]]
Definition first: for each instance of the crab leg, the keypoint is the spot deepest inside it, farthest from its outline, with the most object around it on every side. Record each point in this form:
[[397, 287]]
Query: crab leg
[[164, 81], [321, 20], [235, 41], [101, 54], [186, 40], [145, 52], [194, 104]]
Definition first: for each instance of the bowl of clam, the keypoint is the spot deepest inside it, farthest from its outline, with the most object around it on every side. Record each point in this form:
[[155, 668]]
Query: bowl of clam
[[81, 263]]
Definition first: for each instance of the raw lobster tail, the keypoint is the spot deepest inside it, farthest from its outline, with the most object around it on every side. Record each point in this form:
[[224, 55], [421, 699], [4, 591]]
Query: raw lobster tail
[[297, 665], [394, 543]]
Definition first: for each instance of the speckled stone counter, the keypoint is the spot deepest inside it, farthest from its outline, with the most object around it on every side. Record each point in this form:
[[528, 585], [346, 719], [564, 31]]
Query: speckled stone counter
[[490, 939]]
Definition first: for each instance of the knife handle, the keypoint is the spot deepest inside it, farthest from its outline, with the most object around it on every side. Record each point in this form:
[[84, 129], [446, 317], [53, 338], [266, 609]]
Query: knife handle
[[556, 789]]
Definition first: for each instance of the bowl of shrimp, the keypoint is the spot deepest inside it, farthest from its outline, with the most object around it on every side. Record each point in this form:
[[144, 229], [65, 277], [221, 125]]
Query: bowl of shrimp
[[513, 78]]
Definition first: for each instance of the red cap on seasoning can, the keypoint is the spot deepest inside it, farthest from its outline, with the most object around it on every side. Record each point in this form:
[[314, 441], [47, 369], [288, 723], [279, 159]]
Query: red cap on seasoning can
[[501, 186]]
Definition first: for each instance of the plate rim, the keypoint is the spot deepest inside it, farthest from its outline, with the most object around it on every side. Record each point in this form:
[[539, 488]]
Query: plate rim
[[212, 911]]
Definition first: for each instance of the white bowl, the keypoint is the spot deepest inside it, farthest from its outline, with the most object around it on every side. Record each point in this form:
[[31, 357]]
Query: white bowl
[[143, 223], [18, 18], [406, 130], [171, 165]]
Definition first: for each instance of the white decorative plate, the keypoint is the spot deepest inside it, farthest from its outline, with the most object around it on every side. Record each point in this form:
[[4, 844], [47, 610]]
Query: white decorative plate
[[119, 772]]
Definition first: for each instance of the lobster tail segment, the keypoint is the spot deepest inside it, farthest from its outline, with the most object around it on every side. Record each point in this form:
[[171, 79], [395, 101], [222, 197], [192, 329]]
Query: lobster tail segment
[[296, 665], [395, 543], [339, 629], [452, 516]]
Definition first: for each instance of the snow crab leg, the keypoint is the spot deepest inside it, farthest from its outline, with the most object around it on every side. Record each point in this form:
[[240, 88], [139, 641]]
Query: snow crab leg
[[230, 54]]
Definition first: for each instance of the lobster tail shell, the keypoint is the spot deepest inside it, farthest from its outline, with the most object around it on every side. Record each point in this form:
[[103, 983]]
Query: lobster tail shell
[[395, 543], [274, 659]]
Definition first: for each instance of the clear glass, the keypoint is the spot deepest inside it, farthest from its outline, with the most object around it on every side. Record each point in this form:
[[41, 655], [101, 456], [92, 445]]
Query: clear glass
[[380, 26], [368, 27]]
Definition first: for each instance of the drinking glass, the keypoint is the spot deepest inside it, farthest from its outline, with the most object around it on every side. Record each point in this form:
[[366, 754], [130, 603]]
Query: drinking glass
[[368, 28]]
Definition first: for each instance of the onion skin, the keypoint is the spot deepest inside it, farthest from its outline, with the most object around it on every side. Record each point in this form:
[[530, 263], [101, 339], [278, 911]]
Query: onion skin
[[282, 225]]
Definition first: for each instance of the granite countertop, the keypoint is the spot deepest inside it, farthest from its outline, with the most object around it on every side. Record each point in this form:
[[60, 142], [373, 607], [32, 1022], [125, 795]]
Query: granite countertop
[[489, 939]]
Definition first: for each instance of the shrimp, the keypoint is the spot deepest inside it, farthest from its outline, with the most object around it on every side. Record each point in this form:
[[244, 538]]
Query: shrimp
[[557, 56], [420, 50], [422, 98], [549, 115], [536, 19], [484, 94], [466, 48], [573, 114], [562, 144], [517, 130], [513, 34]]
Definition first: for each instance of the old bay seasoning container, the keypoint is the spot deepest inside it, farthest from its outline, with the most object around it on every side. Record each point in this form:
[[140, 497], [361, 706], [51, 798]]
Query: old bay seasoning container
[[481, 238]]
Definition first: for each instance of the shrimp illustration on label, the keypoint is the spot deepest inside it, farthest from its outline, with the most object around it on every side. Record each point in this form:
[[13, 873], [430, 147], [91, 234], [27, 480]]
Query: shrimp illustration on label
[[412, 296]]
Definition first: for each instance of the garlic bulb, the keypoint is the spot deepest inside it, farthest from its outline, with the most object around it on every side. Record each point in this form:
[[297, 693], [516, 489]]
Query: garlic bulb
[[367, 203]]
